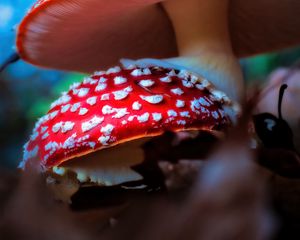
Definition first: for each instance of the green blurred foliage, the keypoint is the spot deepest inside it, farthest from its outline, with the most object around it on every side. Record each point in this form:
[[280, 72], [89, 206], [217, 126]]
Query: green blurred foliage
[[259, 67], [41, 107]]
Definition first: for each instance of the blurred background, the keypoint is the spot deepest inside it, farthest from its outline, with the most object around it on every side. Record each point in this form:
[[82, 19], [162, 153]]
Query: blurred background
[[27, 91]]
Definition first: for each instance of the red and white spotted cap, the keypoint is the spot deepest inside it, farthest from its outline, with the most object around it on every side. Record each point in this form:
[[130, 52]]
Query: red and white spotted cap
[[124, 104]]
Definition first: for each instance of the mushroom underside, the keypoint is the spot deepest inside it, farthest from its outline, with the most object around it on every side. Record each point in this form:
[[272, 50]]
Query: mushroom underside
[[89, 36], [97, 33], [105, 177]]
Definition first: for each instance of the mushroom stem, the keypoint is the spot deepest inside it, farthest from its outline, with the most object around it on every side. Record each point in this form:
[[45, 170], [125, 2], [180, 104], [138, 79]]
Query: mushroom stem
[[11, 59], [201, 28]]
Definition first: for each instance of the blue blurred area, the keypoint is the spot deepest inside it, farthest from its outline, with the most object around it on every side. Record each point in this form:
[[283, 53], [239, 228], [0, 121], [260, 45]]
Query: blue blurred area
[[21, 86]]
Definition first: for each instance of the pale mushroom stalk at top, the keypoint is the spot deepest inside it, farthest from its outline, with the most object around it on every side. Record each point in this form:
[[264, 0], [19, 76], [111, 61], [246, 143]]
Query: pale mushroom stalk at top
[[204, 44]]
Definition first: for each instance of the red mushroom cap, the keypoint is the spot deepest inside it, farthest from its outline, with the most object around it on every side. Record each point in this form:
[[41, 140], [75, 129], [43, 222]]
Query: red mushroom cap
[[95, 30], [101, 32], [123, 104]]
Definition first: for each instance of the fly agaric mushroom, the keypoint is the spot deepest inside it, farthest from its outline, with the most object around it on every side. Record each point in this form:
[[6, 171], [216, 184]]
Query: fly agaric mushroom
[[96, 128], [93, 33]]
